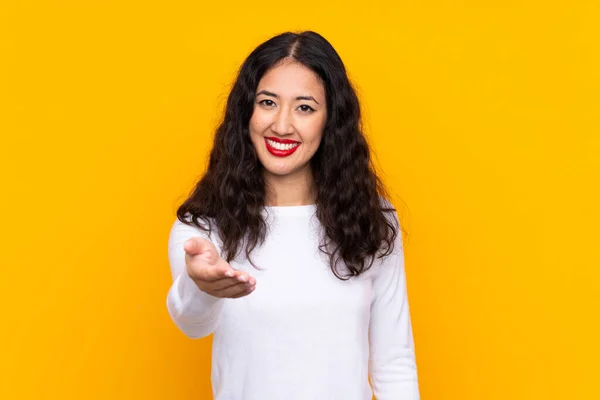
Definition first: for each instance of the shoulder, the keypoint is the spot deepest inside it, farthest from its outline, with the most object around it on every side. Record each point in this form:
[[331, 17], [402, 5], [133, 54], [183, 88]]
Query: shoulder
[[183, 230], [385, 203], [396, 255], [390, 212]]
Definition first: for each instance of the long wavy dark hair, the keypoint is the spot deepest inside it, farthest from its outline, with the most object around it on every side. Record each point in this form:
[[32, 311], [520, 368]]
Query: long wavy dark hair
[[351, 202]]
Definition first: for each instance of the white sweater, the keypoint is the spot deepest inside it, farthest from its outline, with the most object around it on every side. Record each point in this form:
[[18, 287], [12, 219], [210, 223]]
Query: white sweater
[[303, 334]]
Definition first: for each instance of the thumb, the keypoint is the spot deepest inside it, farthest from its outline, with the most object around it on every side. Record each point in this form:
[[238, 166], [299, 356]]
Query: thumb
[[198, 245], [193, 246]]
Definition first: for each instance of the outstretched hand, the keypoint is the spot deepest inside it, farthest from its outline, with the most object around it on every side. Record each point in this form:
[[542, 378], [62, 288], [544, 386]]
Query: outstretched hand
[[212, 274]]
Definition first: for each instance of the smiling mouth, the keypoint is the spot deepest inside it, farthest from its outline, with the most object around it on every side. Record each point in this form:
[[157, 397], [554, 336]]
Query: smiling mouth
[[281, 149]]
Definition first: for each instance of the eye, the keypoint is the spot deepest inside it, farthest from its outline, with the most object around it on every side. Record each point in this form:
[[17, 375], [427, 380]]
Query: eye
[[267, 102], [306, 108]]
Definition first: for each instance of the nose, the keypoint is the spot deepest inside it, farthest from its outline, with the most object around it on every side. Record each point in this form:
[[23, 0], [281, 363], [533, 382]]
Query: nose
[[282, 123]]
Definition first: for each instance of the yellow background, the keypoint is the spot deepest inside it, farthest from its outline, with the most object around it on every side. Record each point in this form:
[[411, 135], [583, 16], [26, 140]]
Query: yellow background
[[484, 117]]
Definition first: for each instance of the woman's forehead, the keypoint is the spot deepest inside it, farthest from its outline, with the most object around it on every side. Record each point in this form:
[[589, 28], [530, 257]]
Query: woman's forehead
[[290, 80]]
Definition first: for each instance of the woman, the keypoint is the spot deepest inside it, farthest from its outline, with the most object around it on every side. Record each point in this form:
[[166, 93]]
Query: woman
[[287, 250]]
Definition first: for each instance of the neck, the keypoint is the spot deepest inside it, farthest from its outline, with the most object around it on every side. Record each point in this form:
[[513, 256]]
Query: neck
[[290, 190]]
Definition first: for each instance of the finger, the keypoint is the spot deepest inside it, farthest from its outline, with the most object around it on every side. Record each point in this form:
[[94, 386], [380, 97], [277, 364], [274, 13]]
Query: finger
[[233, 290], [225, 283], [214, 273], [240, 276], [246, 293]]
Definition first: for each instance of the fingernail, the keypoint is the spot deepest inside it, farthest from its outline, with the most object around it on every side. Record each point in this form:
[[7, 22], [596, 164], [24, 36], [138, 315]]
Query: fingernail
[[229, 273], [242, 278]]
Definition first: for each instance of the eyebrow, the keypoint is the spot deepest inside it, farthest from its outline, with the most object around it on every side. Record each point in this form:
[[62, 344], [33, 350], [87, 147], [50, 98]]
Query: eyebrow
[[267, 93]]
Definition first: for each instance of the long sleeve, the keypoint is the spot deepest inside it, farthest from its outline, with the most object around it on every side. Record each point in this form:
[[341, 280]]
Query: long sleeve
[[392, 364], [194, 312]]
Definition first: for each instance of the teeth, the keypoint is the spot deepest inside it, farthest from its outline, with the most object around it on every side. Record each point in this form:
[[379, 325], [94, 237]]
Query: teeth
[[281, 146]]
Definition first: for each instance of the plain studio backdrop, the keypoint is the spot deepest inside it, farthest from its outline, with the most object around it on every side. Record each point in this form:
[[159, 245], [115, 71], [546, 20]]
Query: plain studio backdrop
[[484, 119]]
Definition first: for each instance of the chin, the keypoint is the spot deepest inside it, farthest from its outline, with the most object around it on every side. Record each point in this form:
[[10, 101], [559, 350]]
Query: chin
[[278, 172]]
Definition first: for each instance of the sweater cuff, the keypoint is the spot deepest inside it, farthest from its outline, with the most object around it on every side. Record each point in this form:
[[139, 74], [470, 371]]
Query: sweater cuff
[[187, 298]]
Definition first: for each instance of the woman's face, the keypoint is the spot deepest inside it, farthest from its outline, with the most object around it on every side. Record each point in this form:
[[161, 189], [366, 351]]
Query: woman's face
[[288, 118]]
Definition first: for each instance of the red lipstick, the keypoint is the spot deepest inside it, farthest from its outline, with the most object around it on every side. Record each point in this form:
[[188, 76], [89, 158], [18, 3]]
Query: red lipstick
[[278, 152]]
